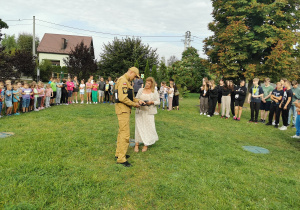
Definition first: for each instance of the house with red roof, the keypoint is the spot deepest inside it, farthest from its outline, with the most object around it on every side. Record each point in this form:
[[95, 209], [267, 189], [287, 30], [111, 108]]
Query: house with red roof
[[57, 47]]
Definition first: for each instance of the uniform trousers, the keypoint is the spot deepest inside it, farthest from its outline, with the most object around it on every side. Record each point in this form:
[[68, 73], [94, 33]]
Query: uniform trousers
[[123, 136]]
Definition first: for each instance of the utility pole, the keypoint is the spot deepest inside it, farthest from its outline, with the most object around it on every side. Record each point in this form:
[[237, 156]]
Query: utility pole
[[187, 40]]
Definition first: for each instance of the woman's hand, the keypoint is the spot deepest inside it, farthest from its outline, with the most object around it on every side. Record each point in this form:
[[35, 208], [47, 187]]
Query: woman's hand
[[150, 102]]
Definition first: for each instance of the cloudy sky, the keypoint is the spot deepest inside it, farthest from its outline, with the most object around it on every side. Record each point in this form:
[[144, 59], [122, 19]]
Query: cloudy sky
[[102, 20]]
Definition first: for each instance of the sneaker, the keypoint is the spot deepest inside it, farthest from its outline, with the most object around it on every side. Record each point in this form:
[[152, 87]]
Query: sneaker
[[222, 117], [201, 113], [204, 113], [264, 121], [36, 110], [276, 126], [295, 137], [234, 118], [73, 102], [208, 115], [76, 102], [226, 118], [0, 116], [216, 113], [104, 102], [90, 102], [273, 123], [283, 128], [238, 119], [268, 123], [293, 126], [250, 121], [261, 121]]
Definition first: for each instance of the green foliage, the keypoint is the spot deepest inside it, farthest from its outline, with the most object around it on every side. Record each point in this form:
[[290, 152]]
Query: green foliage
[[6, 67], [121, 54], [24, 42], [81, 62], [147, 71], [163, 71], [154, 72], [46, 70], [136, 64], [190, 71], [252, 38], [24, 62], [9, 43], [3, 24]]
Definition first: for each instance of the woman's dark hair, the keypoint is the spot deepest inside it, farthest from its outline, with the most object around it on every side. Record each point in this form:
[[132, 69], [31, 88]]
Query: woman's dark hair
[[225, 87]]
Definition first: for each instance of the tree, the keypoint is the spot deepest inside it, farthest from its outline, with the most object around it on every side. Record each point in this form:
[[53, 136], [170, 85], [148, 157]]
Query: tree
[[9, 43], [6, 67], [147, 71], [81, 62], [24, 62], [154, 73], [121, 54], [136, 64], [24, 42], [163, 72], [252, 38], [190, 71], [172, 60], [2, 25]]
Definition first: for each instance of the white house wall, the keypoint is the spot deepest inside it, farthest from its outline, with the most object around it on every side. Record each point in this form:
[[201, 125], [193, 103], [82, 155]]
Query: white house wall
[[49, 56]]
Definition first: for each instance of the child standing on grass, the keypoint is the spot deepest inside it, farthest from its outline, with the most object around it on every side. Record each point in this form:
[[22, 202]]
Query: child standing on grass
[[265, 101], [81, 91], [226, 98], [8, 99], [239, 97], [70, 87], [254, 98], [285, 105], [16, 99], [171, 95], [276, 98], [36, 95], [213, 98], [106, 92], [1, 97], [49, 95], [88, 91], [26, 92], [297, 124], [95, 92], [204, 97], [31, 98], [161, 94], [64, 93]]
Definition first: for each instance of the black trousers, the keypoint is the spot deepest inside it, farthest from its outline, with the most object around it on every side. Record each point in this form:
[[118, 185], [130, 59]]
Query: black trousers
[[64, 97], [212, 102], [254, 106], [274, 109], [285, 115], [106, 94], [39, 101], [232, 105]]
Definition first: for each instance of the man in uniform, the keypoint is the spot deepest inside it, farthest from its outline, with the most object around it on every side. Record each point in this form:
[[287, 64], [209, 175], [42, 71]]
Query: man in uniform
[[123, 111]]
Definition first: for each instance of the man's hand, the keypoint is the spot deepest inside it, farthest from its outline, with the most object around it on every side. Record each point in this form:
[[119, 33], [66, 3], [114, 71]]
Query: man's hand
[[285, 107], [137, 105], [280, 106]]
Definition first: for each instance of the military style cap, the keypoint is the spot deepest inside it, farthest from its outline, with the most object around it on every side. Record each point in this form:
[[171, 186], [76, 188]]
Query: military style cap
[[135, 70]]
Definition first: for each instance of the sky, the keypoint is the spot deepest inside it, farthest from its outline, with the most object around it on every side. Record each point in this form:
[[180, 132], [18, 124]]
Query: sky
[[104, 20]]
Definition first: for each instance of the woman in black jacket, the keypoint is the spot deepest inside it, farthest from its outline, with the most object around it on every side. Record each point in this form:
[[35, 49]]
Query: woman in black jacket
[[213, 97], [240, 95]]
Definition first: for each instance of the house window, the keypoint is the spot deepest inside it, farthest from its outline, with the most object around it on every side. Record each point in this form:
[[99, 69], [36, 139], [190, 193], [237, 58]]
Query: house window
[[55, 62]]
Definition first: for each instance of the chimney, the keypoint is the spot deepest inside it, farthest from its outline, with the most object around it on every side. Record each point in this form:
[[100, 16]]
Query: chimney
[[63, 43]]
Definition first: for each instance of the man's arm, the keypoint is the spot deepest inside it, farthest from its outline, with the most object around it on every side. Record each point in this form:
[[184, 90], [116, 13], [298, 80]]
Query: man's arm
[[123, 93]]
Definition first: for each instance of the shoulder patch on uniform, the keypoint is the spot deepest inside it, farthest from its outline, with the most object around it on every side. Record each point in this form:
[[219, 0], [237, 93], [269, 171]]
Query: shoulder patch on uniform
[[124, 90]]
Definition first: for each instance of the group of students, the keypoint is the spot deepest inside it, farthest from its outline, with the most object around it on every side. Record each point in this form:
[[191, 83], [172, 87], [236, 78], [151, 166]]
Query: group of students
[[272, 102], [36, 96]]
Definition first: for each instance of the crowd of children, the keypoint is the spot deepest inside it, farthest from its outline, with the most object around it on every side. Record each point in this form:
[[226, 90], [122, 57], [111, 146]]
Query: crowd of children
[[271, 102]]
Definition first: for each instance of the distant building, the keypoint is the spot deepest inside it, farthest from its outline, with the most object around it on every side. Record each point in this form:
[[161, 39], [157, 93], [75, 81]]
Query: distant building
[[56, 47]]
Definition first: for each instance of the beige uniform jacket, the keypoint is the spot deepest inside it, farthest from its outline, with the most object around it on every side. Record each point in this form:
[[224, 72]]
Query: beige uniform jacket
[[125, 92]]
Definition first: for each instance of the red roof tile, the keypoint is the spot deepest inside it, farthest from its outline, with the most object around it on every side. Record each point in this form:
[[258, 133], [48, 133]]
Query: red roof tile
[[52, 43]]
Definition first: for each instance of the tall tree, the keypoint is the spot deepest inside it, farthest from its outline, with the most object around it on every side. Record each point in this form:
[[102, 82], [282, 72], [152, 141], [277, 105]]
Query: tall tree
[[190, 71], [6, 67], [81, 62], [2, 25], [24, 62], [252, 38], [24, 42], [163, 71], [147, 71], [9, 43], [154, 73], [121, 54]]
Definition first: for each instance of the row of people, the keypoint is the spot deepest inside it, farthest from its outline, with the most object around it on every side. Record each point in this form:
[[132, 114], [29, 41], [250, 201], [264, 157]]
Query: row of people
[[271, 102]]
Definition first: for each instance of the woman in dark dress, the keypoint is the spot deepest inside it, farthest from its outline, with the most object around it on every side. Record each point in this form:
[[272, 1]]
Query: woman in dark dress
[[176, 98], [64, 93]]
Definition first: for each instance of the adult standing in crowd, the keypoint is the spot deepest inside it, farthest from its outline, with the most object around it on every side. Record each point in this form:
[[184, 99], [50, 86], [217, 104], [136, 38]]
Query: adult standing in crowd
[[145, 131], [111, 86], [59, 86], [176, 97], [101, 90], [75, 90], [137, 84], [125, 101]]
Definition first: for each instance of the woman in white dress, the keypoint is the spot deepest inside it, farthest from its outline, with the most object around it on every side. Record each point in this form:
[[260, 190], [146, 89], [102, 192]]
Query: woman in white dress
[[145, 131]]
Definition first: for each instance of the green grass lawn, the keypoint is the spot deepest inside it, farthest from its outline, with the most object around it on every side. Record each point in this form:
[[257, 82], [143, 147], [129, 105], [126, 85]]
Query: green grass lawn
[[63, 158]]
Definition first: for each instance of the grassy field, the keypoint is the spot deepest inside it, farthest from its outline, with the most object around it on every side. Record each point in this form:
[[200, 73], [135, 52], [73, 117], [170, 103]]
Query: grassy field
[[63, 158]]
